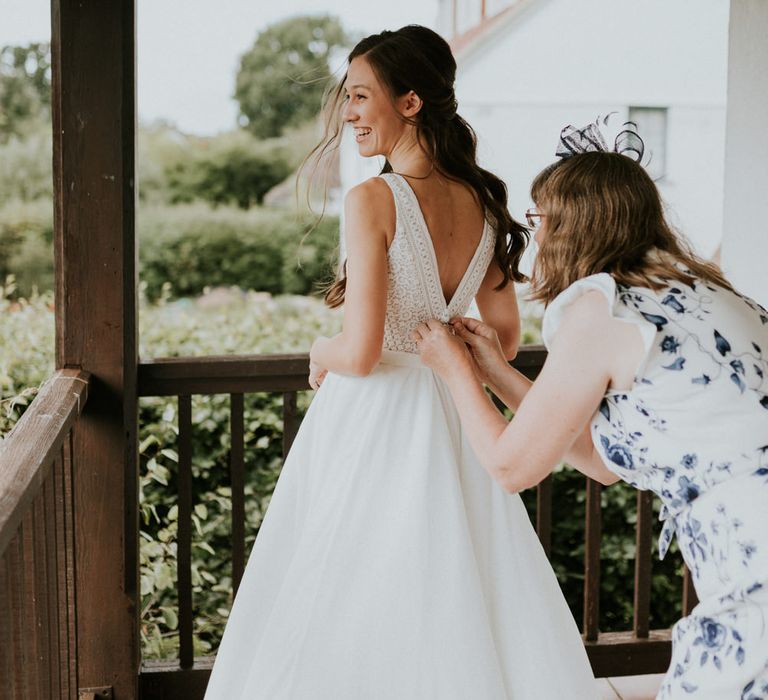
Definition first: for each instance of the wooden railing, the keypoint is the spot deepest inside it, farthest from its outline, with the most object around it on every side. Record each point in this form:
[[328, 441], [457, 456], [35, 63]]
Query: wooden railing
[[37, 562], [636, 651]]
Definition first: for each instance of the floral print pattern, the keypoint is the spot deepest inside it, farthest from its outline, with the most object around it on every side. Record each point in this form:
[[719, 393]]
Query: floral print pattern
[[694, 429]]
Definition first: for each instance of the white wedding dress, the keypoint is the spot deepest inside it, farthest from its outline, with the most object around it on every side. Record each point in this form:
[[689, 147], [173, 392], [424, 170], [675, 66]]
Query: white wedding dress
[[389, 565]]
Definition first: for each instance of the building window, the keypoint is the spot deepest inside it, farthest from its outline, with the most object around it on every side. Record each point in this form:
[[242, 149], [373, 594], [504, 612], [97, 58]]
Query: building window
[[652, 127]]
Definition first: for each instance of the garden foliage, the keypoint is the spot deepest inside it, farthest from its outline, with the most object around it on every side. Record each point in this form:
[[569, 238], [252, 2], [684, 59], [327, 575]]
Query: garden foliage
[[270, 250]]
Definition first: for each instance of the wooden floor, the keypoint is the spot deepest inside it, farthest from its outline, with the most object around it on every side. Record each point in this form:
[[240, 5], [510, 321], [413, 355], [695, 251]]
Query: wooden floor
[[630, 687]]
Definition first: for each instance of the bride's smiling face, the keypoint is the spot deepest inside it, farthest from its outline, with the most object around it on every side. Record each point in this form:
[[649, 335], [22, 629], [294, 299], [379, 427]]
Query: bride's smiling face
[[376, 118]]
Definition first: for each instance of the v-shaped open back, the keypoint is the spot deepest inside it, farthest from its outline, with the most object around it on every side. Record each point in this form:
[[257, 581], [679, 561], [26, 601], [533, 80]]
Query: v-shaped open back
[[425, 229], [415, 293]]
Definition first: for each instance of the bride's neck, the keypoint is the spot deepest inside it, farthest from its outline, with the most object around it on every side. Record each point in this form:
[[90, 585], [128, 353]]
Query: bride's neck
[[411, 159]]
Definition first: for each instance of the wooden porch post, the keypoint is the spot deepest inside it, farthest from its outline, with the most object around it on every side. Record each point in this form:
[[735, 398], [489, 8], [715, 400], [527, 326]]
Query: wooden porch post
[[93, 55]]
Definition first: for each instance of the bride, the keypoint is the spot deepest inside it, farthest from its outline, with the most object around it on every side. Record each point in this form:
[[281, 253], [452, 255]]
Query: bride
[[389, 565]]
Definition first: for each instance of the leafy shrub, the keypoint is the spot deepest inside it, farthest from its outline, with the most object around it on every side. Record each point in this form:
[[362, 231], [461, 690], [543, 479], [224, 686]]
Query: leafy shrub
[[194, 246], [262, 249], [229, 177], [26, 169], [26, 350], [233, 168], [26, 245]]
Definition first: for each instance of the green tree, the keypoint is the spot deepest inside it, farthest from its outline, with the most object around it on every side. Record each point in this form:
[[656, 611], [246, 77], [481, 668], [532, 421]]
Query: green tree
[[283, 76], [25, 88]]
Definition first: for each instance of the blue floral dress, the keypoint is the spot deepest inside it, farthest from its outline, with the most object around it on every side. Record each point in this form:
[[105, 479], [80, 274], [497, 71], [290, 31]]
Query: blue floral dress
[[694, 429]]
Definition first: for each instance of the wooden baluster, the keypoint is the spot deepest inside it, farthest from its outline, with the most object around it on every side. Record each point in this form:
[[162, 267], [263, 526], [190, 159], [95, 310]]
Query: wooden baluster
[[642, 601], [15, 556], [184, 537], [544, 514], [68, 452], [290, 420], [52, 599], [6, 626], [30, 617], [237, 481], [42, 604], [592, 562], [60, 556], [690, 599]]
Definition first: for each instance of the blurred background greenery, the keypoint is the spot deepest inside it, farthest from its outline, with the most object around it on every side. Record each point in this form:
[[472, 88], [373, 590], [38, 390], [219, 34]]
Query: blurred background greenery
[[231, 261]]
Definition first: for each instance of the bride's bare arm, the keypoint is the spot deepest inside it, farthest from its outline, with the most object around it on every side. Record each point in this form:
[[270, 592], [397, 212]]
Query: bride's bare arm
[[369, 216], [551, 421], [498, 308]]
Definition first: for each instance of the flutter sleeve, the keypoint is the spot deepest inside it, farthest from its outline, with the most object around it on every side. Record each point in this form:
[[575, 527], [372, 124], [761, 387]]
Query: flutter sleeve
[[604, 283]]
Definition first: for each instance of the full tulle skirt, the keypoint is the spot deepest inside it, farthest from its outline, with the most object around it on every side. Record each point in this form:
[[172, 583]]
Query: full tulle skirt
[[390, 566]]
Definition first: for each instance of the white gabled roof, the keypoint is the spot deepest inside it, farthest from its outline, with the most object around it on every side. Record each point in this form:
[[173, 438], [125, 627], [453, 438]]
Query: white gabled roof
[[465, 44]]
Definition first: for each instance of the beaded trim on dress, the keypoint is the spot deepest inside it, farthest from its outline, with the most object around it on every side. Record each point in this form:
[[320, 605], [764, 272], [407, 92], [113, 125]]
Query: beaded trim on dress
[[415, 294]]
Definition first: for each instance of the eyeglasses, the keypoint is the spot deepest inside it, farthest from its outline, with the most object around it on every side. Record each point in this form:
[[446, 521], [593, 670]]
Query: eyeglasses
[[533, 217]]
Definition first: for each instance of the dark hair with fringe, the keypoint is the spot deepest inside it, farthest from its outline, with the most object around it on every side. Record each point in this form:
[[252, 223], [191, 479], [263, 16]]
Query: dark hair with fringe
[[603, 213], [416, 58]]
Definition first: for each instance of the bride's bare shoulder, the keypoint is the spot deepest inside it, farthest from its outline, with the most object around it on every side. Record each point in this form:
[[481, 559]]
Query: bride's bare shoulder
[[371, 204], [371, 192]]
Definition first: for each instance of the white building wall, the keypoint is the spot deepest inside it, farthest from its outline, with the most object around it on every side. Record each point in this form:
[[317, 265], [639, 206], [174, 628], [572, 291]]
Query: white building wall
[[561, 62], [745, 234]]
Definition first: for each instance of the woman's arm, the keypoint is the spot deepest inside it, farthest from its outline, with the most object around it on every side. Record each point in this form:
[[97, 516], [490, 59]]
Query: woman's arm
[[512, 386], [498, 308], [552, 418], [369, 220]]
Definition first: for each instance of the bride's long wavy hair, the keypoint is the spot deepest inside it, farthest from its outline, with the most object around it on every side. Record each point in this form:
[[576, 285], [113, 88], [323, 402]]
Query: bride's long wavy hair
[[416, 58]]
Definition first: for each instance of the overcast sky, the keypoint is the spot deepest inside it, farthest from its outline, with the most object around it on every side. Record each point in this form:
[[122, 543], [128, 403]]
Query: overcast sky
[[188, 50]]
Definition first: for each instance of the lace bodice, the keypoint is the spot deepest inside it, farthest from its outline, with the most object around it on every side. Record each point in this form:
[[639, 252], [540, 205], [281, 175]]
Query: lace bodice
[[414, 292]]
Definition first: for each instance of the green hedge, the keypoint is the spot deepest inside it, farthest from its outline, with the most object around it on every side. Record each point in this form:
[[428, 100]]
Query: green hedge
[[26, 245], [26, 172], [268, 250], [193, 246]]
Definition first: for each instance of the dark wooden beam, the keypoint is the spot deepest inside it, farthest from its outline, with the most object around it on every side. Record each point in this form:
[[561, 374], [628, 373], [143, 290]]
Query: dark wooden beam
[[166, 680], [94, 124], [232, 374], [623, 654], [612, 654], [228, 374]]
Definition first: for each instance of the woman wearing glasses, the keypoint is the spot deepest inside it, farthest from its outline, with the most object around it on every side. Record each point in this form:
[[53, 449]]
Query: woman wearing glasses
[[657, 374]]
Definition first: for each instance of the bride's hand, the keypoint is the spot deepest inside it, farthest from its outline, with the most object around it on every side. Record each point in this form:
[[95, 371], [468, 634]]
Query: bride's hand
[[484, 346], [316, 371], [316, 375], [440, 348]]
